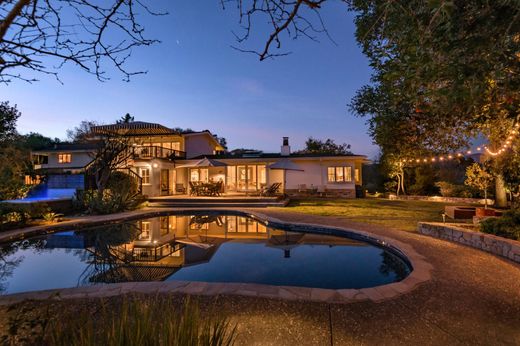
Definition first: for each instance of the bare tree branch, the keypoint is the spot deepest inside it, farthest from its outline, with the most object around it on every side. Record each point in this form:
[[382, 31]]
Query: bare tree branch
[[295, 18], [35, 34]]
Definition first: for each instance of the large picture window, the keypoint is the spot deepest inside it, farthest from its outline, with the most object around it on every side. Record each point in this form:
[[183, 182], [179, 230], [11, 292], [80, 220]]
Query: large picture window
[[339, 174], [64, 158]]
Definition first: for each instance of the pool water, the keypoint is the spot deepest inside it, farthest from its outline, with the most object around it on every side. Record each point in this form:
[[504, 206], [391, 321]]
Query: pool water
[[211, 248]]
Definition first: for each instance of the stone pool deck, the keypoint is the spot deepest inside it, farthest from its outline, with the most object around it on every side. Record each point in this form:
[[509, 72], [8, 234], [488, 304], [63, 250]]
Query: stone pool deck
[[472, 297]]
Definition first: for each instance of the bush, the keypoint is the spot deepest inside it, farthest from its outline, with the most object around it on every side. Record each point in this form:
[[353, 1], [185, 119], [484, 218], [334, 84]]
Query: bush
[[507, 226], [13, 215], [120, 194], [454, 190], [142, 321]]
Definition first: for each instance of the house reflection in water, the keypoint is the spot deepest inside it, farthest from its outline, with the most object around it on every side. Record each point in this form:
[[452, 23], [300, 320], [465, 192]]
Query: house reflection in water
[[154, 249]]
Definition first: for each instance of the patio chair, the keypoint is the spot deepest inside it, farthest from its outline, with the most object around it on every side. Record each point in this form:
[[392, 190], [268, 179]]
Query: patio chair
[[194, 189], [271, 190], [179, 188]]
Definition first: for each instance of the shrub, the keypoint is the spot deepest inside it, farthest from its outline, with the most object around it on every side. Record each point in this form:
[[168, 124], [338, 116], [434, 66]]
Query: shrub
[[13, 215], [142, 321], [448, 189], [507, 226], [120, 194]]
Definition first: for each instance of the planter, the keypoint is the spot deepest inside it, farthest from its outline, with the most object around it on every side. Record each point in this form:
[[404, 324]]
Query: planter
[[483, 212]]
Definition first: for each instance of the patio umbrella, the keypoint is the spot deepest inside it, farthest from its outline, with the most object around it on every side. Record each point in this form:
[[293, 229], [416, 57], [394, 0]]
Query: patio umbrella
[[285, 242], [286, 165], [205, 162]]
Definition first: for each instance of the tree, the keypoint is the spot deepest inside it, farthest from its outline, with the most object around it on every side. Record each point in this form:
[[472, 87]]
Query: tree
[[81, 132], [480, 178], [292, 19], [42, 36], [112, 154], [327, 147], [36, 141], [8, 117], [509, 167], [241, 151], [15, 164], [221, 140], [127, 118]]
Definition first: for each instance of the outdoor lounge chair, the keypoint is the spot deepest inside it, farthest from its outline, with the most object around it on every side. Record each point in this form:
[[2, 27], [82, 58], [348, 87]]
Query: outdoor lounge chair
[[271, 190]]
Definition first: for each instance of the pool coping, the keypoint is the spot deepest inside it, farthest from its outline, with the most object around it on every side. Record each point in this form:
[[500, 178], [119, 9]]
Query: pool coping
[[421, 269]]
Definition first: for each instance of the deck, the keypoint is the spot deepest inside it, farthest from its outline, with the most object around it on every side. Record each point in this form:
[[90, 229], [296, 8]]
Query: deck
[[226, 200]]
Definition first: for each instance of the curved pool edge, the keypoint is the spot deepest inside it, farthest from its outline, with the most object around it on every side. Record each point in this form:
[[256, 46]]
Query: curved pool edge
[[420, 273]]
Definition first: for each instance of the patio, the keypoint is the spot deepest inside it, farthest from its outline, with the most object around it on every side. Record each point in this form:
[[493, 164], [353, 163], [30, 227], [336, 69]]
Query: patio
[[472, 298]]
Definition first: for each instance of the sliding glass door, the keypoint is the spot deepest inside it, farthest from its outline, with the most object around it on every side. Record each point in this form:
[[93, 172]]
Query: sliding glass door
[[246, 177]]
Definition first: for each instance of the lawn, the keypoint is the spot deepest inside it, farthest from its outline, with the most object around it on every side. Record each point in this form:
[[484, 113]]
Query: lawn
[[397, 214]]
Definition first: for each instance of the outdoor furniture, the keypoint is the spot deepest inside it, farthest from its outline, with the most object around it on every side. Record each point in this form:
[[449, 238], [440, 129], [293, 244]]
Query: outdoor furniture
[[179, 188], [205, 189], [194, 188], [271, 190], [302, 188]]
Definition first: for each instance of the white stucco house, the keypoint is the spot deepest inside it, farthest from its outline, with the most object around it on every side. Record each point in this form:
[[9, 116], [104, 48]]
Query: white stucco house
[[169, 163]]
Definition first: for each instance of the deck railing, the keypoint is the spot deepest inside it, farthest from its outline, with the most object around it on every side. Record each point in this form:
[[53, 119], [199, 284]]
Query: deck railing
[[150, 152]]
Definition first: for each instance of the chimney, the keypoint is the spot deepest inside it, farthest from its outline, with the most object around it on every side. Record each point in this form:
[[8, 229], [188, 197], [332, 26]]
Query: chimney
[[286, 148]]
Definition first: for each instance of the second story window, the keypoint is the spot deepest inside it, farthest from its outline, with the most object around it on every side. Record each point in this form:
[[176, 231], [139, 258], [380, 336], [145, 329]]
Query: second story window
[[64, 158], [145, 175]]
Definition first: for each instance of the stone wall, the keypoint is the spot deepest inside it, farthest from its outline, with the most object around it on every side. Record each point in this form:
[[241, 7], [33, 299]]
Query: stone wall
[[340, 193], [441, 199], [499, 246]]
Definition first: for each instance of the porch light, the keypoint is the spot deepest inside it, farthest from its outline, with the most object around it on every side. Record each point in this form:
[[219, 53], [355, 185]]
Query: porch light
[[155, 165]]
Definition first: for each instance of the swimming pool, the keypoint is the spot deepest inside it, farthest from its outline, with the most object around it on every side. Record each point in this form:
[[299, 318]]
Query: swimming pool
[[202, 247]]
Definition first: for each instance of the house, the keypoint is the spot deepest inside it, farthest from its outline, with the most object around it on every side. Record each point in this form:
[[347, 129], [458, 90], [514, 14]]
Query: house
[[167, 161]]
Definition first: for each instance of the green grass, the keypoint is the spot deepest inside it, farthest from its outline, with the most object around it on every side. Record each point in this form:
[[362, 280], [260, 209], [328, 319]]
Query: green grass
[[396, 214]]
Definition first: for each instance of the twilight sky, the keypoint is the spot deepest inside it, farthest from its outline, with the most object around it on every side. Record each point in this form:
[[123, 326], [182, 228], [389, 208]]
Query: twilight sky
[[196, 80]]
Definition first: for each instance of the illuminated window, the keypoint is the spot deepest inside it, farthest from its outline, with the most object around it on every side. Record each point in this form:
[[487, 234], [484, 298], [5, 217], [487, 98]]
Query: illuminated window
[[145, 175], [145, 231], [356, 175], [165, 225], [339, 174], [64, 158], [199, 174]]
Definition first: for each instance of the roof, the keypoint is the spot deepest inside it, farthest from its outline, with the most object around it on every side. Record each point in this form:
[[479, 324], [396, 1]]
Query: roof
[[276, 156], [84, 146], [134, 128]]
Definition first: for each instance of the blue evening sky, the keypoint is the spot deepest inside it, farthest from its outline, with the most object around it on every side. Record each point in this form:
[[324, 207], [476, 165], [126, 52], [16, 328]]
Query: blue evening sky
[[196, 80]]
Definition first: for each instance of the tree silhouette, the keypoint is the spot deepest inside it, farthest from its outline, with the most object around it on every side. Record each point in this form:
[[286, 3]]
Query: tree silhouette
[[40, 36]]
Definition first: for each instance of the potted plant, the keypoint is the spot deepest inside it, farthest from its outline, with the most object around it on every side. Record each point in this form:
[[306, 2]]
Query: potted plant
[[480, 178]]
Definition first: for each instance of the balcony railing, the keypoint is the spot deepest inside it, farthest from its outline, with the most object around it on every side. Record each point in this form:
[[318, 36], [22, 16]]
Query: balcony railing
[[151, 152]]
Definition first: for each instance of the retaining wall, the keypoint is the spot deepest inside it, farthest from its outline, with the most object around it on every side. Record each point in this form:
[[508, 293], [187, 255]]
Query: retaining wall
[[499, 246], [441, 199]]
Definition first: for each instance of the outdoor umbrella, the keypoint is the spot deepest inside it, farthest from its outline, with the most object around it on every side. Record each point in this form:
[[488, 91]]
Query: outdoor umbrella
[[285, 165], [205, 162], [285, 242]]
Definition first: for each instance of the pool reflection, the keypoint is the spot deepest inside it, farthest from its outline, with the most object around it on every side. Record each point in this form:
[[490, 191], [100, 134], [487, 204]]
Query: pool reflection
[[218, 248]]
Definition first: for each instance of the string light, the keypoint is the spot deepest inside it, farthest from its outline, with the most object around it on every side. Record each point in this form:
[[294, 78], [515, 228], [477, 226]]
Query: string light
[[502, 149]]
